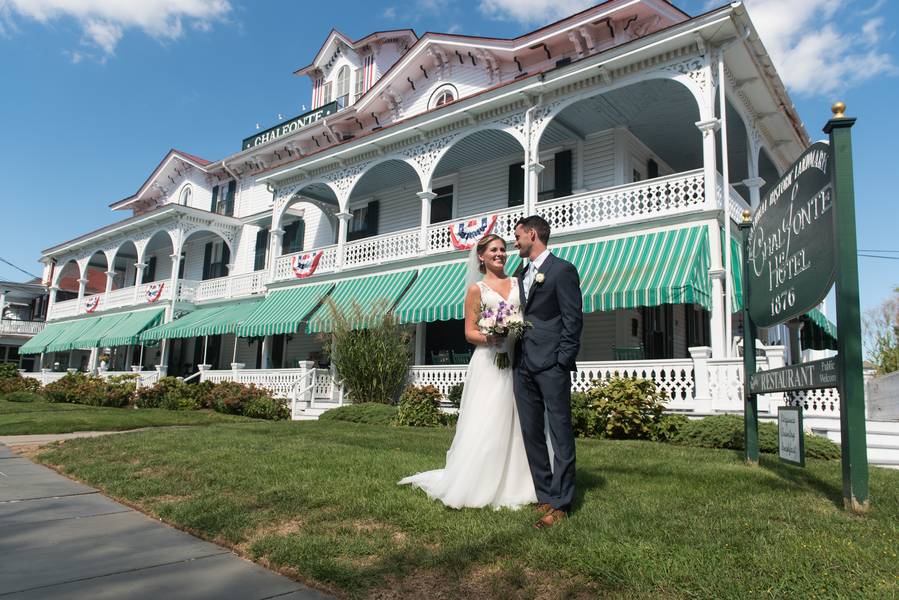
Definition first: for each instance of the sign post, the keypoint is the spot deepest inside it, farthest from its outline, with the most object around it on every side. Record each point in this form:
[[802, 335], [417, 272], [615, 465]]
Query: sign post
[[750, 398], [849, 357]]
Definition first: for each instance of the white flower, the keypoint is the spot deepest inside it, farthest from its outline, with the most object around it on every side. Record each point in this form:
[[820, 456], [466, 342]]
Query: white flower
[[539, 277], [515, 317], [487, 322]]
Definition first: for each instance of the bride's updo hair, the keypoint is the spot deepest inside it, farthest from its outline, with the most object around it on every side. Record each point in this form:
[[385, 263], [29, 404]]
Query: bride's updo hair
[[482, 247]]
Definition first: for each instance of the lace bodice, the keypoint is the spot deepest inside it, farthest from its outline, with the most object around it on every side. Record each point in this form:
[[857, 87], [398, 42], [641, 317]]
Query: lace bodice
[[491, 298]]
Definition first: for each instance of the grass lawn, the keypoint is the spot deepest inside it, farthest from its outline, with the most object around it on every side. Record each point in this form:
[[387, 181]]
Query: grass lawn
[[23, 418], [319, 501]]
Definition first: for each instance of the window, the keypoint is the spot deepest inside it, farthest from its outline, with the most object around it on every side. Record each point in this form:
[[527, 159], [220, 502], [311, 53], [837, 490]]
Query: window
[[216, 256], [326, 93], [636, 176], [359, 85], [364, 222], [186, 193], [516, 184], [555, 179], [443, 96], [223, 199], [293, 237], [261, 249], [181, 264], [343, 86], [442, 204], [150, 270]]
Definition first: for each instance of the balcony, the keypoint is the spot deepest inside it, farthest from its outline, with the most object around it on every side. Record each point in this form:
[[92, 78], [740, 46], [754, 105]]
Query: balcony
[[677, 194], [20, 328]]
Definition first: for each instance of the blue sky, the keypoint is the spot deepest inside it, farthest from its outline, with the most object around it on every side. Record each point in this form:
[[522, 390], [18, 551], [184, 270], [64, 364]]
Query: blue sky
[[94, 93]]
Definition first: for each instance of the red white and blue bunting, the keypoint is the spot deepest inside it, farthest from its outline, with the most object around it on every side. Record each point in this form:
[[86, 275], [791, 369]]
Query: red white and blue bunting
[[304, 265], [466, 234], [154, 291], [91, 304]]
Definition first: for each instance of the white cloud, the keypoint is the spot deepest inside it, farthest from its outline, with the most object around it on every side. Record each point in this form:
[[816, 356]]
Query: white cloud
[[819, 46], [104, 22], [532, 12]]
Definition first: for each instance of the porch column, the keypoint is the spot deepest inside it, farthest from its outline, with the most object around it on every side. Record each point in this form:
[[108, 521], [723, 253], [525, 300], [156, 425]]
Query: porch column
[[276, 247], [176, 266], [51, 301], [82, 286], [92, 363], [532, 174], [138, 278], [106, 292], [265, 359], [343, 226], [709, 161], [420, 343], [2, 303], [754, 184], [426, 197], [794, 328], [163, 366], [703, 390]]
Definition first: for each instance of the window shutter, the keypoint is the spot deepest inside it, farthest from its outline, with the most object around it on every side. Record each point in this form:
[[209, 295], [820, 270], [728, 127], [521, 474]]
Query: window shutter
[[516, 184], [652, 169], [207, 260], [226, 260], [229, 198], [215, 197], [563, 174], [261, 249], [181, 264], [372, 218], [150, 270], [300, 235]]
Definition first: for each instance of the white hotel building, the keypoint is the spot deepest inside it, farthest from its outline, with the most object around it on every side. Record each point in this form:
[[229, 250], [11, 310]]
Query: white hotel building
[[608, 123]]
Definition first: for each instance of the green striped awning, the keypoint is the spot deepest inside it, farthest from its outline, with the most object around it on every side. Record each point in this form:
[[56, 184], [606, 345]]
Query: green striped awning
[[39, 342], [437, 295], [74, 330], [127, 331], [89, 337], [283, 310], [211, 320], [819, 333], [374, 296]]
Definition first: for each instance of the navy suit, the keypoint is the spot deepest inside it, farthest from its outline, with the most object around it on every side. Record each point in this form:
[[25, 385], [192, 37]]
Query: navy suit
[[544, 359]]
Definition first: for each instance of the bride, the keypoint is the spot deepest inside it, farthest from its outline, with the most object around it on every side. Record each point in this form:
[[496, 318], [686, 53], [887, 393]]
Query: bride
[[486, 464]]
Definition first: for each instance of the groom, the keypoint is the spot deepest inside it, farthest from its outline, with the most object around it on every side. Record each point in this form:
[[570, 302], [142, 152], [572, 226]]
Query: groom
[[544, 358]]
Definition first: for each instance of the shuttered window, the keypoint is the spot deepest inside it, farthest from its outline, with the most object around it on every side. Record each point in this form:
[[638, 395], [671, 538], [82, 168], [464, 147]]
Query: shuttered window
[[364, 222], [442, 204], [150, 270], [293, 236], [516, 184], [261, 249]]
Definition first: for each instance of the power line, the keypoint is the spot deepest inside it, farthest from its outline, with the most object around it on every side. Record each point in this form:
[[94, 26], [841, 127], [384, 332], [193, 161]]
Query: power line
[[19, 268], [878, 256]]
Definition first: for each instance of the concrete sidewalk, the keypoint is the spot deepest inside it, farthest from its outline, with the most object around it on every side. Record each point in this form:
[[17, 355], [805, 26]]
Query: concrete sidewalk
[[61, 539]]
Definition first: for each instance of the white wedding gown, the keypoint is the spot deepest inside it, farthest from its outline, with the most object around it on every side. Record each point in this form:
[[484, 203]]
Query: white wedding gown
[[486, 464]]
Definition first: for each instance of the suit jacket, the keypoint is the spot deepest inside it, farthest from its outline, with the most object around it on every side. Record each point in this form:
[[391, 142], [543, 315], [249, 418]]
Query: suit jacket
[[554, 307]]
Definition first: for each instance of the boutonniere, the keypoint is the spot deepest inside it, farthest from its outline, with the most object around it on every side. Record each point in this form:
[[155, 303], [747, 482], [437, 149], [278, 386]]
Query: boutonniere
[[539, 277]]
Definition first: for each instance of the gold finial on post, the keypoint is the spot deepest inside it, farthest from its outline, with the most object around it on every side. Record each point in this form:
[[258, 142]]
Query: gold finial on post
[[747, 216], [838, 109]]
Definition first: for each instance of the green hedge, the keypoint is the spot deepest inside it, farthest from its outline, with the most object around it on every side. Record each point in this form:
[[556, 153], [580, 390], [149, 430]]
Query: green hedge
[[24, 396], [726, 431], [78, 388]]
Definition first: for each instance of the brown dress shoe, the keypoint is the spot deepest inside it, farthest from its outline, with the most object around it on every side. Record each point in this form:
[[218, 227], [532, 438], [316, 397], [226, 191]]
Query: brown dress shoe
[[543, 507], [550, 519]]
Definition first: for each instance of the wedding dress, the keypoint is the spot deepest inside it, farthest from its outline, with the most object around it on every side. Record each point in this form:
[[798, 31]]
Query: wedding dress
[[486, 464]]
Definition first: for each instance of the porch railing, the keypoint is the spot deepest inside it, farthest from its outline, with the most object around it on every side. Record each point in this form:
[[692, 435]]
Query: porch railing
[[327, 263], [382, 248], [15, 327], [232, 286]]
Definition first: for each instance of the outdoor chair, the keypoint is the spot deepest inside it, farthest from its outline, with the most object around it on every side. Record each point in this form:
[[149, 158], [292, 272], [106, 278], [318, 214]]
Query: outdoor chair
[[461, 358], [441, 358], [628, 352]]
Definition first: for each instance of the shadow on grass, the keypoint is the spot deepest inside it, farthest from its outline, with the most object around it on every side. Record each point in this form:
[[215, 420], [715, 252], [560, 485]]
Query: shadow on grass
[[804, 479], [585, 480]]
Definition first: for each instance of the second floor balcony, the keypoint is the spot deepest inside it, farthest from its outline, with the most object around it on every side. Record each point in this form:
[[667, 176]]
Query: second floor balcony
[[20, 328]]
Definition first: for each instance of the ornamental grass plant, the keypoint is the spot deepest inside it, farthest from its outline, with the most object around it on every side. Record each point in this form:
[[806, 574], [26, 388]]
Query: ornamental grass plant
[[373, 362]]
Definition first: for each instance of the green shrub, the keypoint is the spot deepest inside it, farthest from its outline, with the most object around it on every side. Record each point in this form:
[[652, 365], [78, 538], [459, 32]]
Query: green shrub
[[78, 388], [420, 407], [120, 390], [449, 419], [366, 412], [583, 417], [455, 394], [667, 427], [373, 362], [233, 398], [267, 407], [203, 393], [24, 396], [726, 431], [620, 408], [12, 381], [169, 392]]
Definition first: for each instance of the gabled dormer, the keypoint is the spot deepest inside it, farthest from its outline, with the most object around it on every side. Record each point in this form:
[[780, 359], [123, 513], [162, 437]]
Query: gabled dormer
[[343, 69]]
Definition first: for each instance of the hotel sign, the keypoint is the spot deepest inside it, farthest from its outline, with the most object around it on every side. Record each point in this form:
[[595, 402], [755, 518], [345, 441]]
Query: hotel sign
[[291, 126], [792, 254], [803, 376]]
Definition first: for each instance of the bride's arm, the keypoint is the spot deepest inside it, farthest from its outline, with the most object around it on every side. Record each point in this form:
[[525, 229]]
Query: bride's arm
[[472, 314]]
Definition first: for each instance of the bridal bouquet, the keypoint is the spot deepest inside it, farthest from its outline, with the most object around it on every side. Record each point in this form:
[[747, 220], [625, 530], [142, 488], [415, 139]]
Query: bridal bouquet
[[506, 322]]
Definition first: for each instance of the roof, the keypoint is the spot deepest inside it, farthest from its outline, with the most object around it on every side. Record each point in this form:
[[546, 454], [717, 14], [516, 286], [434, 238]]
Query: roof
[[353, 44], [189, 158]]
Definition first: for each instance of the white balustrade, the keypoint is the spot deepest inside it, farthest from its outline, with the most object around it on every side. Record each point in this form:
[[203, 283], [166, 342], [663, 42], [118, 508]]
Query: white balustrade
[[816, 403], [735, 202], [326, 264], [442, 377], [382, 248], [46, 377], [15, 327], [144, 378], [678, 193], [674, 377], [187, 290], [439, 239], [232, 286], [282, 383], [65, 308]]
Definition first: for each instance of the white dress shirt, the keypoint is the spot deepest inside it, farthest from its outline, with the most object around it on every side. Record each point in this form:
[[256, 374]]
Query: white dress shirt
[[531, 273]]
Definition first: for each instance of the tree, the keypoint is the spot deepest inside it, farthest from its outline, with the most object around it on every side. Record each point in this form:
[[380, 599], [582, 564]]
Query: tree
[[882, 334]]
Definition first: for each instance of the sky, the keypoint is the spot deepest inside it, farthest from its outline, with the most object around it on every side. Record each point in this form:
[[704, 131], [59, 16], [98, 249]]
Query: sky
[[93, 93]]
